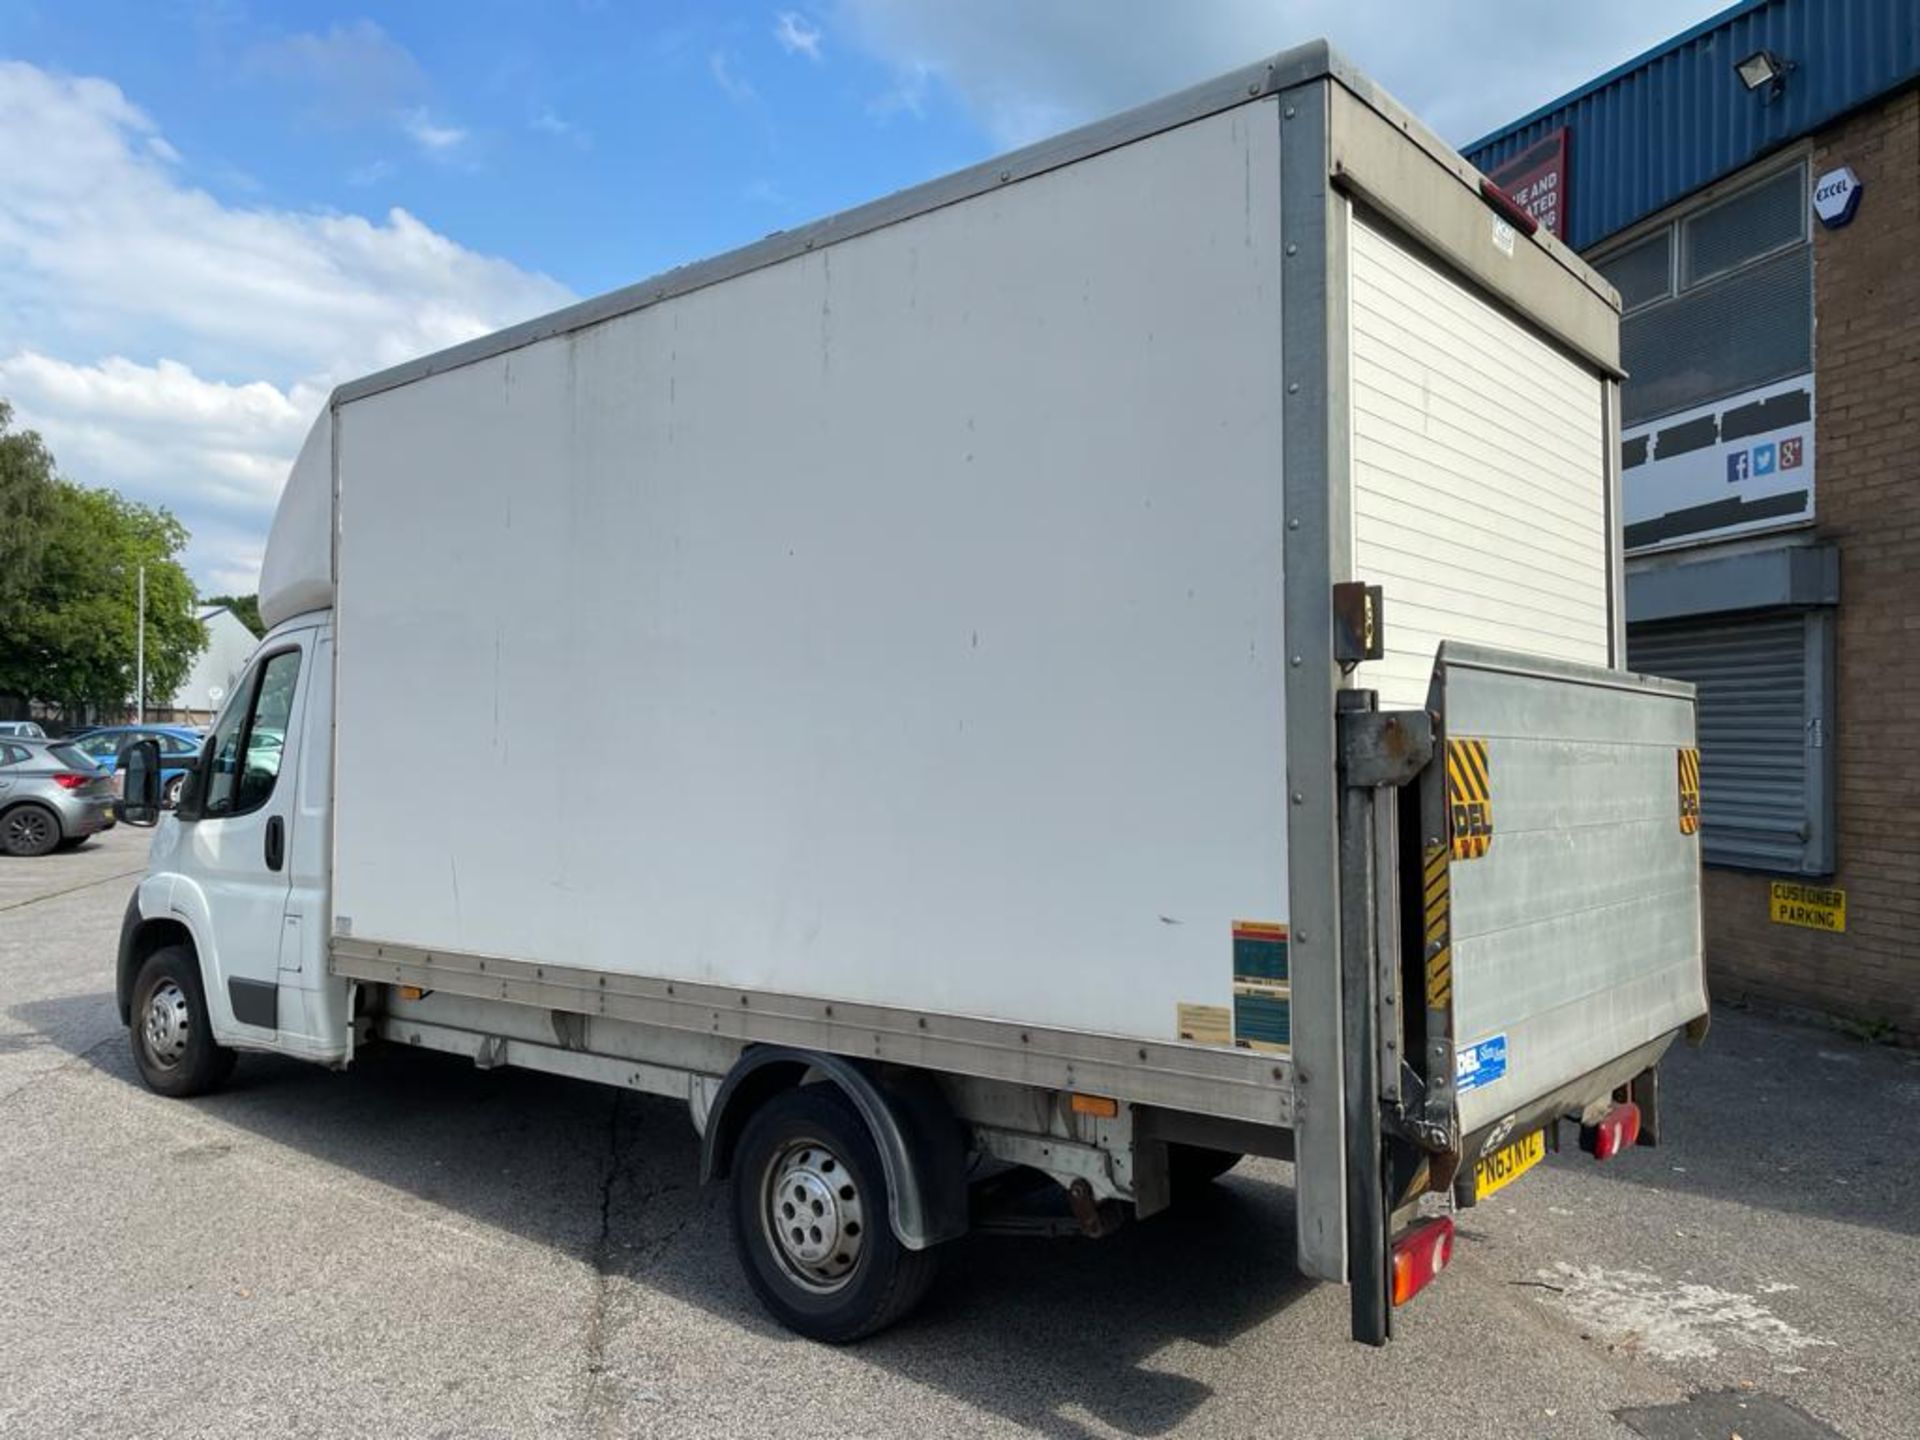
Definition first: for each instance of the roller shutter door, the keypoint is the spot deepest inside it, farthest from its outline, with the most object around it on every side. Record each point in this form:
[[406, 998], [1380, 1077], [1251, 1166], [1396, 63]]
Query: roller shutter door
[[1763, 698], [1479, 472]]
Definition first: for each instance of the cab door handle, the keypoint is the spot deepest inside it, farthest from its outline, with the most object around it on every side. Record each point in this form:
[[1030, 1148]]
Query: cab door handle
[[276, 842]]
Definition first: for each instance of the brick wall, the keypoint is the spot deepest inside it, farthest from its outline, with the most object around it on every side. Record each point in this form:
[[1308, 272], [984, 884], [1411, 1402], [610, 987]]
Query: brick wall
[[1867, 450]]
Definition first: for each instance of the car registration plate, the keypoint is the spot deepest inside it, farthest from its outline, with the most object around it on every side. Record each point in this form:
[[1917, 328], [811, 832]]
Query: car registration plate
[[1508, 1163]]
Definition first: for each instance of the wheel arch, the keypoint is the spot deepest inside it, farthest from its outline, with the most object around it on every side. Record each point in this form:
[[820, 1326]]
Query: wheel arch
[[139, 938], [912, 1125]]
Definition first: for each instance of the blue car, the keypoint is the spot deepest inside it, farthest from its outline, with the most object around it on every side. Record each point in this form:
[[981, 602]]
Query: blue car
[[178, 746]]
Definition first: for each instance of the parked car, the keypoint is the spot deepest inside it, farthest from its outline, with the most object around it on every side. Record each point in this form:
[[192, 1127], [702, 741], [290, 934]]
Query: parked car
[[51, 795], [22, 729], [178, 746]]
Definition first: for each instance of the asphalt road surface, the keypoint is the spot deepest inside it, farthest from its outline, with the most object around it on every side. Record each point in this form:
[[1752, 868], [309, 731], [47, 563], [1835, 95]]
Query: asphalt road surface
[[417, 1248]]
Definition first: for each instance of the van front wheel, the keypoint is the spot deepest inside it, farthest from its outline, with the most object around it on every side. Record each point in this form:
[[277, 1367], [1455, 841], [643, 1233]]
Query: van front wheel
[[173, 1045]]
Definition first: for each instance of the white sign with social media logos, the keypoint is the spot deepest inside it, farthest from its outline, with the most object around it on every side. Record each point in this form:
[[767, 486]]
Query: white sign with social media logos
[[1735, 467]]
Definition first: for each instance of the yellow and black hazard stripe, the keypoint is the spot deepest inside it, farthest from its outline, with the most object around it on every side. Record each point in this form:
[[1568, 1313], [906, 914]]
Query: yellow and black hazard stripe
[[1689, 792], [1469, 799], [1438, 913]]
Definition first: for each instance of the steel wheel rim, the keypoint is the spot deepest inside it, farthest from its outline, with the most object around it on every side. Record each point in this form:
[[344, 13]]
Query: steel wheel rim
[[167, 1024], [813, 1213], [27, 828]]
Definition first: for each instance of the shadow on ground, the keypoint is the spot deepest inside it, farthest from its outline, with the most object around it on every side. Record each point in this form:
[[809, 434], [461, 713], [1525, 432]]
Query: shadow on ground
[[1790, 1117], [1047, 1326]]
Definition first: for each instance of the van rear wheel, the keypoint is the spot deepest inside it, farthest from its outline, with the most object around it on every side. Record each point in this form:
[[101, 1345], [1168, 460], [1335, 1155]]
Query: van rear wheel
[[173, 1045], [810, 1226]]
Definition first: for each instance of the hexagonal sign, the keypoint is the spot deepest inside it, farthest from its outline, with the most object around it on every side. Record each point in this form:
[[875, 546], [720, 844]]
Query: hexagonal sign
[[1836, 196]]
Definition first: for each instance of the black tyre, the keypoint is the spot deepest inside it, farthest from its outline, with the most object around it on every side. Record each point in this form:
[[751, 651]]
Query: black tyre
[[173, 1046], [28, 830], [1192, 1168], [810, 1220], [170, 795]]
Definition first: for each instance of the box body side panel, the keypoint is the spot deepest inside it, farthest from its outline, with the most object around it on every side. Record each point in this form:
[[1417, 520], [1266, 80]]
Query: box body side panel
[[900, 622]]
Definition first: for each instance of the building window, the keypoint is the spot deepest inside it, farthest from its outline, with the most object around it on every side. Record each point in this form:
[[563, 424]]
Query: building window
[[1643, 273], [1766, 717], [1718, 300]]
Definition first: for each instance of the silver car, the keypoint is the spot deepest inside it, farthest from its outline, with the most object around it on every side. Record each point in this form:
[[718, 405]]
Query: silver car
[[51, 795]]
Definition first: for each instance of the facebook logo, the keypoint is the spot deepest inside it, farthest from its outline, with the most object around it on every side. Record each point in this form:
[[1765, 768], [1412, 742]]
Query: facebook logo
[[1763, 459], [1736, 466]]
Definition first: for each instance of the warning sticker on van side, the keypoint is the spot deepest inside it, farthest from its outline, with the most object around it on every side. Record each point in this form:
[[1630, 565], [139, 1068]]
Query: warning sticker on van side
[[1260, 951], [1205, 1024], [1262, 995], [1481, 1063]]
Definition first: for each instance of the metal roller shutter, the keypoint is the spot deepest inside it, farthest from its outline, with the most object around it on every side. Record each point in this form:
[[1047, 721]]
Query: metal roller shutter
[[1479, 472], [1763, 707]]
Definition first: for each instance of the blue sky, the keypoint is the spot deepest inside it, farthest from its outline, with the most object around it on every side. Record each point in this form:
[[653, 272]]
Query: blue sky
[[212, 210]]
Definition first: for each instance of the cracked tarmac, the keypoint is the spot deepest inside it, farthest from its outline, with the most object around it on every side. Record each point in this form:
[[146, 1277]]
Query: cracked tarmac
[[418, 1248]]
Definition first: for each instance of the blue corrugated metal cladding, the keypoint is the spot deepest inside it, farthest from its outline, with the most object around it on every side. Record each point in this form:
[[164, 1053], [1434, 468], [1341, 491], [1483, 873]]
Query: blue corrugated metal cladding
[[1678, 118]]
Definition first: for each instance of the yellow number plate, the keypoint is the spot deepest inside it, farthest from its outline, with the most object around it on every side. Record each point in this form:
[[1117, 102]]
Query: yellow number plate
[[1508, 1164]]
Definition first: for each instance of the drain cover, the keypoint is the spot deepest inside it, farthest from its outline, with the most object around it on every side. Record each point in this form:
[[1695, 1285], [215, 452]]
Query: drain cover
[[1725, 1414]]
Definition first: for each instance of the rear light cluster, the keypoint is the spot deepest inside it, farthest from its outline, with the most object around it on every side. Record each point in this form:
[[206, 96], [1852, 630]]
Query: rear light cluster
[[1419, 1256], [67, 780], [1618, 1129]]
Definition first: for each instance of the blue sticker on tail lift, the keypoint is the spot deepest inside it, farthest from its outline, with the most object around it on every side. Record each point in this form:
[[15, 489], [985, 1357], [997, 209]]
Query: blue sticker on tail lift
[[1480, 1064]]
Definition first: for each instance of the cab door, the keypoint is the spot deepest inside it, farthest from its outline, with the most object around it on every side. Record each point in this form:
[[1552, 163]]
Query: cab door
[[240, 836]]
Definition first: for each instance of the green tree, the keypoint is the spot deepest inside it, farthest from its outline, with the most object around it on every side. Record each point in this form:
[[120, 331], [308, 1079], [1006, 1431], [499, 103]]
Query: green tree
[[246, 607], [27, 486], [68, 635]]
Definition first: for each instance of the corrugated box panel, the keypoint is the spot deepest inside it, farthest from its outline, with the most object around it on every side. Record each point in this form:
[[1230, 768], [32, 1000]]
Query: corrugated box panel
[[1479, 485], [1666, 123]]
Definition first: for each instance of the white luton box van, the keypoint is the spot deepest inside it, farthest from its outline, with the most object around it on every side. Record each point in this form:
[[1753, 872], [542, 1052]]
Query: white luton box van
[[1102, 664]]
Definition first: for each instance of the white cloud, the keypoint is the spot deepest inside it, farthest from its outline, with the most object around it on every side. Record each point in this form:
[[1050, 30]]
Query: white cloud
[[733, 85], [547, 122], [223, 328], [437, 142], [797, 34], [1025, 71]]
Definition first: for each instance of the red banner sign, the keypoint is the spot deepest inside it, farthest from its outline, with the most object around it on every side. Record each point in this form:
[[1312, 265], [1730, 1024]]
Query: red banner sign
[[1536, 179]]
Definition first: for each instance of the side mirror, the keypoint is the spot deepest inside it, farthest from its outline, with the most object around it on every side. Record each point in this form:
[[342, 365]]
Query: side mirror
[[139, 802]]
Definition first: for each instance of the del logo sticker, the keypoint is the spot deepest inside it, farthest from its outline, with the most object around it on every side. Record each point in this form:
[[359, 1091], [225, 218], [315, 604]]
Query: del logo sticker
[[1469, 798], [1481, 1063]]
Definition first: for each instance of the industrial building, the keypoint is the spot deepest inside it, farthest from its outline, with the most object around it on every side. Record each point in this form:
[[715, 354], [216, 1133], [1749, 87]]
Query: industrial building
[[1752, 189]]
